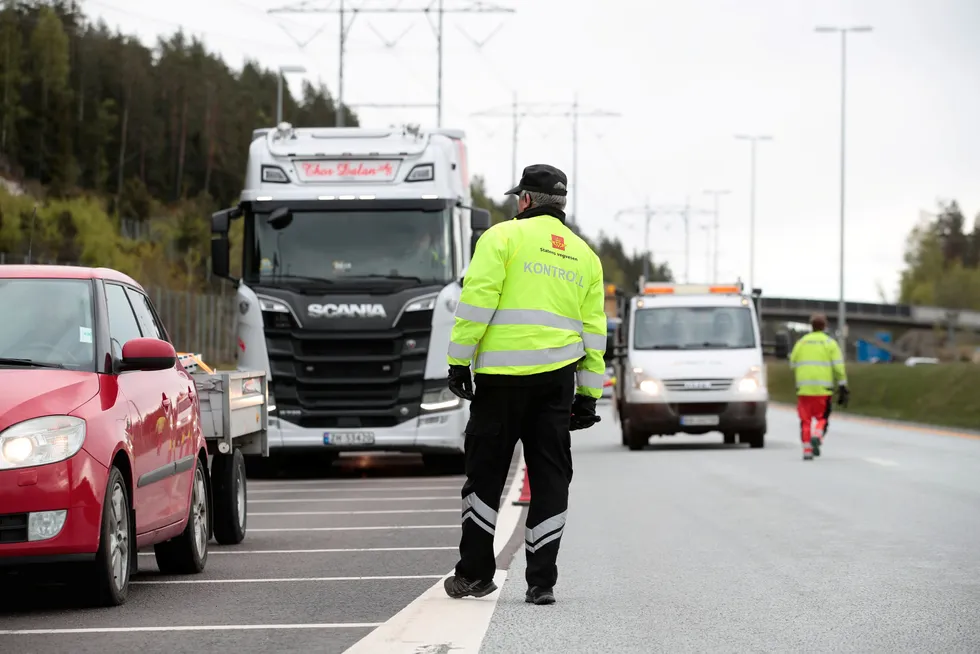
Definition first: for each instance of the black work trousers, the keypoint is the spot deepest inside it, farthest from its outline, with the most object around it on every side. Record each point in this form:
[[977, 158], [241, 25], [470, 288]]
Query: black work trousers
[[535, 410]]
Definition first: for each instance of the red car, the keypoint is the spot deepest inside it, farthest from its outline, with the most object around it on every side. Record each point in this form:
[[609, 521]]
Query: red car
[[101, 448]]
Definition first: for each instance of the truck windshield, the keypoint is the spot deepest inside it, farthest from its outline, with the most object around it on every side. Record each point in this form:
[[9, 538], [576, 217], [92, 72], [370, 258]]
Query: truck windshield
[[47, 323], [694, 328], [335, 245]]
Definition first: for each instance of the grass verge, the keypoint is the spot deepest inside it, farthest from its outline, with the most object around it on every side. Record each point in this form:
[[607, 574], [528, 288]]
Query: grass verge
[[943, 394]]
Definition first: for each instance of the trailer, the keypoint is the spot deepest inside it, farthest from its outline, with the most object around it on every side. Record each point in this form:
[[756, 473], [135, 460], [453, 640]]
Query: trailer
[[235, 422]]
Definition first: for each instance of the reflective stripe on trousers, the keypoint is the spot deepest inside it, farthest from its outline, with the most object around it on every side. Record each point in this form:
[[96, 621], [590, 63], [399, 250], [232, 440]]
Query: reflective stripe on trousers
[[546, 532], [480, 513]]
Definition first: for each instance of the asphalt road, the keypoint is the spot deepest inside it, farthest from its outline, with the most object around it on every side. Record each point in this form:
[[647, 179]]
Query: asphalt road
[[328, 556], [691, 546]]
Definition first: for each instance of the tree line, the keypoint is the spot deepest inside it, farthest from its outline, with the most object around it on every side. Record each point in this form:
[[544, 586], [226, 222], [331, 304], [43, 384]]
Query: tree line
[[942, 259], [126, 149]]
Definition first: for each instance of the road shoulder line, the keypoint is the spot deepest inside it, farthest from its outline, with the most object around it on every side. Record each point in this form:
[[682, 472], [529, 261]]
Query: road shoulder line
[[936, 430], [435, 622]]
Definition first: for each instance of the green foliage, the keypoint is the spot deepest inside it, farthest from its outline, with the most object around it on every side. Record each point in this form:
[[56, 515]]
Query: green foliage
[[941, 261], [618, 267], [943, 394]]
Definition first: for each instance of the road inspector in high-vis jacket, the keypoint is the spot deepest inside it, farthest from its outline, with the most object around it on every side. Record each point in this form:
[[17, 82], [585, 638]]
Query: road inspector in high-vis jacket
[[531, 322], [818, 365]]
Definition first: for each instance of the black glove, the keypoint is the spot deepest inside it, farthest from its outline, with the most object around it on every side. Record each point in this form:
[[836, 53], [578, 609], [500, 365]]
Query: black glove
[[583, 413], [461, 382], [843, 396]]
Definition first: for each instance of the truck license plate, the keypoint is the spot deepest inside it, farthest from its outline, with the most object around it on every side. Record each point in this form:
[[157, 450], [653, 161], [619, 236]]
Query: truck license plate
[[348, 438], [699, 421]]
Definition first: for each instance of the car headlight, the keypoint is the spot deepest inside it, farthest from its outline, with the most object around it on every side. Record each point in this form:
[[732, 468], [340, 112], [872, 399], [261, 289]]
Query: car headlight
[[439, 400], [751, 382], [41, 441], [646, 384]]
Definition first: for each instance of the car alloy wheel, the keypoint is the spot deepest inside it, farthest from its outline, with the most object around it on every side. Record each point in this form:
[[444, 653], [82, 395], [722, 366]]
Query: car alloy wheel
[[119, 537], [199, 512]]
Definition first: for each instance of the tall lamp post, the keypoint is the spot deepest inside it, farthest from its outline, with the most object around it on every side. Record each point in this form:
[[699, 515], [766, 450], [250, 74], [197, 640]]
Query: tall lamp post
[[753, 139], [282, 72], [843, 31]]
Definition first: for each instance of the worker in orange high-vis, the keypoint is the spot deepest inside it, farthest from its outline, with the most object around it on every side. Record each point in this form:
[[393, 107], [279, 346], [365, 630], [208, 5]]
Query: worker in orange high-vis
[[818, 366]]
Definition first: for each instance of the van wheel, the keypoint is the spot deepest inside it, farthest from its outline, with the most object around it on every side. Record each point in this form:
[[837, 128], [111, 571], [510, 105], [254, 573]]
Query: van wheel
[[230, 497], [756, 438], [188, 552], [112, 567], [634, 439]]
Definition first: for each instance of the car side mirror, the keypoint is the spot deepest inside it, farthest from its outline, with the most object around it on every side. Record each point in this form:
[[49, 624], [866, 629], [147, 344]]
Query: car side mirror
[[147, 354], [782, 345]]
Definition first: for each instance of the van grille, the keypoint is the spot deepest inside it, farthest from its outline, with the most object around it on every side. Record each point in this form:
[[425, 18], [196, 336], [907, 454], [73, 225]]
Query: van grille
[[679, 385]]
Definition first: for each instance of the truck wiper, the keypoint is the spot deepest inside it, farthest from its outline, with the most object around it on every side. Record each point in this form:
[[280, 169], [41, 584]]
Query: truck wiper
[[407, 278], [4, 361], [706, 344], [302, 278]]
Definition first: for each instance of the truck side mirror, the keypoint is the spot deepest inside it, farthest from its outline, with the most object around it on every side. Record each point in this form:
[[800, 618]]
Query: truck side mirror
[[220, 256], [280, 218], [479, 219], [221, 220]]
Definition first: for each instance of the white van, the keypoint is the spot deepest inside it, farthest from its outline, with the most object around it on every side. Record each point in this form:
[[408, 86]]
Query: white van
[[689, 361]]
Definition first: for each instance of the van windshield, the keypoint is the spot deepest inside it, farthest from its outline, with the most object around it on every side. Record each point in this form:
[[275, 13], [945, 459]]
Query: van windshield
[[694, 328]]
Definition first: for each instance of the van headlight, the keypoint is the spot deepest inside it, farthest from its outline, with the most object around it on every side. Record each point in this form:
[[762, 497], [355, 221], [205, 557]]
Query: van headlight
[[750, 383], [645, 383], [41, 441], [441, 399]]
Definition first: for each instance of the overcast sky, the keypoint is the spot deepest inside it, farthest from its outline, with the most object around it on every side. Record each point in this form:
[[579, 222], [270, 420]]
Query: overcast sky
[[685, 76]]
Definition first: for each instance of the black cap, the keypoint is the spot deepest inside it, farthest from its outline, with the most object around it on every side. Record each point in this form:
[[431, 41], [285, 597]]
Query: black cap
[[541, 178]]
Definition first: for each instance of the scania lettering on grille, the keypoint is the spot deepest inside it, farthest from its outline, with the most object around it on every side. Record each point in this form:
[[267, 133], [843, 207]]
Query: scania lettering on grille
[[347, 311]]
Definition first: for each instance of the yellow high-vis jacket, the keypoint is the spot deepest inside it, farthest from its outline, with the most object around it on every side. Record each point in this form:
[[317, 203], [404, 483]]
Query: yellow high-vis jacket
[[532, 302], [818, 365]]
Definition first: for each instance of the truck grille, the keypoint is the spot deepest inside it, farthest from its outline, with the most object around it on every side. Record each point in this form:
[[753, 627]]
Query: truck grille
[[348, 379], [679, 385], [13, 528]]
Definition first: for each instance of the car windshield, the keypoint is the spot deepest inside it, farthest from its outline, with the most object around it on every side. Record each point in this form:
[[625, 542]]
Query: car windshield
[[335, 245], [694, 328], [47, 322]]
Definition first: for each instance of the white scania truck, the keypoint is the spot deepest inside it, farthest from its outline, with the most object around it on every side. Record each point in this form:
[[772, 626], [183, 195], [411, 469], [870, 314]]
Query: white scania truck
[[355, 243]]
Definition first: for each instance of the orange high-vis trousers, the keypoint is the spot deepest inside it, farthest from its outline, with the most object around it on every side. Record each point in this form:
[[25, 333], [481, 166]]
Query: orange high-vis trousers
[[810, 408]]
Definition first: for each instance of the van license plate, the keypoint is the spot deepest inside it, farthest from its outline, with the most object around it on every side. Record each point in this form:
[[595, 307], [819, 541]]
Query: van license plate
[[348, 438], [699, 421]]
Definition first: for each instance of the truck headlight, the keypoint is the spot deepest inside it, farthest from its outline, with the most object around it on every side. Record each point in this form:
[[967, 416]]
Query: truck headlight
[[751, 382], [439, 400], [41, 441]]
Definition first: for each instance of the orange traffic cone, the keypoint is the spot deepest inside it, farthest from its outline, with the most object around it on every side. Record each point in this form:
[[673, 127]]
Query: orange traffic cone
[[525, 497]]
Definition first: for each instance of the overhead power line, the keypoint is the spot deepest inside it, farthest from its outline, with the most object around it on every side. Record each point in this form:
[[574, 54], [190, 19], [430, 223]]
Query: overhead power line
[[473, 7], [518, 110]]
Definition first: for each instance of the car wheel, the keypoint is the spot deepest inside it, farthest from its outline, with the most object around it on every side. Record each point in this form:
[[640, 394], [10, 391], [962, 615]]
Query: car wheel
[[230, 497], [188, 552], [112, 568], [729, 438]]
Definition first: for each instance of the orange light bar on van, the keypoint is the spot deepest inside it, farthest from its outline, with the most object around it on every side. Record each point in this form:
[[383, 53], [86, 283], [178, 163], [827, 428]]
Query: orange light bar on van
[[691, 289]]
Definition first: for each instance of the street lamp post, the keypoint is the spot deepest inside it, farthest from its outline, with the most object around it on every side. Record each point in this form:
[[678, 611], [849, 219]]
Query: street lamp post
[[753, 139], [282, 72], [716, 194], [843, 31]]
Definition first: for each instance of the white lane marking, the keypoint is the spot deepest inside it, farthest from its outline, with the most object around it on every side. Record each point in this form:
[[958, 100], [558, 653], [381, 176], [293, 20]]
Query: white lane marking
[[354, 482], [389, 489], [880, 462], [252, 515], [456, 526], [437, 623], [213, 627], [303, 500], [279, 580], [327, 551]]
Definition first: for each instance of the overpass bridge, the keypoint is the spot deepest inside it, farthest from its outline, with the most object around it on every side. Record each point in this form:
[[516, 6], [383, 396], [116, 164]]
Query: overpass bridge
[[867, 314]]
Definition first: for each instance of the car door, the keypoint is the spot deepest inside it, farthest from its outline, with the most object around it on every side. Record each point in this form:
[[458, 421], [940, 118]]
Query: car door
[[150, 393], [183, 392]]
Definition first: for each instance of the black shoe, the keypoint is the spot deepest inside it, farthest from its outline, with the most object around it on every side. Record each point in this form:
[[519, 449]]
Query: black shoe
[[538, 595], [815, 443], [458, 587]]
